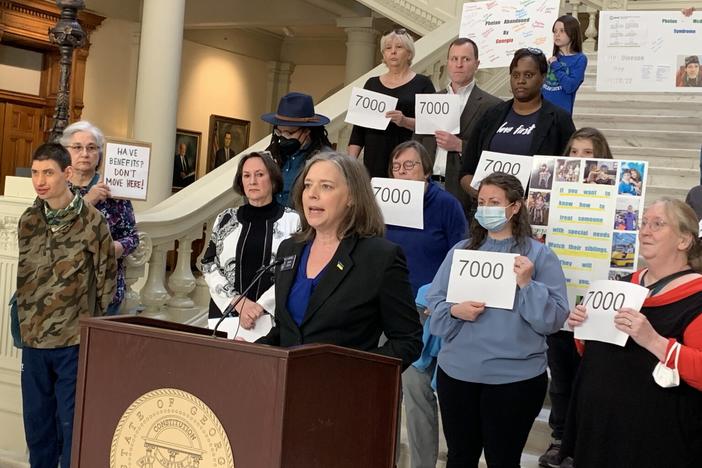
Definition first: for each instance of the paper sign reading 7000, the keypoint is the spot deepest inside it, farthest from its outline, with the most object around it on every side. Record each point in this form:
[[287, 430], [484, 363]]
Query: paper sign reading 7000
[[367, 109]]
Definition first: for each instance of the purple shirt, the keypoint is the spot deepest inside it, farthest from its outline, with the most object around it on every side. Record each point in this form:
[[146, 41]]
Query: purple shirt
[[119, 215]]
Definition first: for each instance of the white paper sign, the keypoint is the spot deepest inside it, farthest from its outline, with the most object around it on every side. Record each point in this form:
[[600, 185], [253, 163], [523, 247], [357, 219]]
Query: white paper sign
[[517, 165], [126, 169], [367, 109], [437, 112], [501, 27], [261, 328], [401, 201], [649, 51], [602, 301], [487, 277]]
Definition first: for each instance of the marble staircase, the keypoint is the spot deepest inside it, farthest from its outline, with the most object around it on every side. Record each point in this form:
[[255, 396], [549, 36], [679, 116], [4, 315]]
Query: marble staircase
[[664, 129]]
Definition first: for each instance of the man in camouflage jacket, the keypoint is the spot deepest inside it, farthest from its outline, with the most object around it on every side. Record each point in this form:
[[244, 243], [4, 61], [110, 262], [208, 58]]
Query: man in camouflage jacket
[[66, 270]]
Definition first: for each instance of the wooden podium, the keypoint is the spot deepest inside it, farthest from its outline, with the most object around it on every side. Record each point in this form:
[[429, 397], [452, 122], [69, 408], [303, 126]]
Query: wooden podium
[[152, 394]]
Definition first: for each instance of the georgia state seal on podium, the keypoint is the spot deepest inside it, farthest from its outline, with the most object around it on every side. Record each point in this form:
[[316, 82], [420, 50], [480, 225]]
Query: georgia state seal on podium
[[170, 428]]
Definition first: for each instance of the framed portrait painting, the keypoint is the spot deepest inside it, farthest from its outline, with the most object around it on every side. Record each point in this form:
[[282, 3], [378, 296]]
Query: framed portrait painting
[[187, 154], [228, 137]]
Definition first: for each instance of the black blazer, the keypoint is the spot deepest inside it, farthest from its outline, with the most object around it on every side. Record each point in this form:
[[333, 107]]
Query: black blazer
[[553, 130], [364, 292], [477, 104]]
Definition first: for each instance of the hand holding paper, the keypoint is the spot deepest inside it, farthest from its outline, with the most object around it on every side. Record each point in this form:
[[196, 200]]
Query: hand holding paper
[[468, 310], [369, 109], [636, 325], [595, 318], [484, 277]]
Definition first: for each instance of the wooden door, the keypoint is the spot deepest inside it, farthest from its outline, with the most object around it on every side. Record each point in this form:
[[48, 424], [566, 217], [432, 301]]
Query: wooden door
[[21, 134]]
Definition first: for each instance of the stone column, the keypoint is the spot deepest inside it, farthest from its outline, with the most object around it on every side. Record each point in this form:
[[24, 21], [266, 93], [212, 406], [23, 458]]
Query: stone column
[[158, 79], [361, 46], [278, 85], [590, 33]]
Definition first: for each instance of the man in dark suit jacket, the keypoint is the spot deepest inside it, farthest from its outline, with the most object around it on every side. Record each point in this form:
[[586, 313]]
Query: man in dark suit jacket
[[183, 167], [226, 152], [444, 148]]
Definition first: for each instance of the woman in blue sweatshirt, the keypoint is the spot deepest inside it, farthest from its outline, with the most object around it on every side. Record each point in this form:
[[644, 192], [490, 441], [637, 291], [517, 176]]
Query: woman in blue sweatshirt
[[425, 249], [491, 376], [566, 70]]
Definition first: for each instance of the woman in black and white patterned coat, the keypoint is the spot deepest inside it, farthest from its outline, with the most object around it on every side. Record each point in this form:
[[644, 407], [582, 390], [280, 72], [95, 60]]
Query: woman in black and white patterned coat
[[246, 238]]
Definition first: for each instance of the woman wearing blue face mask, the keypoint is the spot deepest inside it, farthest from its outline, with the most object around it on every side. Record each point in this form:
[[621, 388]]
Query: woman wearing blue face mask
[[491, 377]]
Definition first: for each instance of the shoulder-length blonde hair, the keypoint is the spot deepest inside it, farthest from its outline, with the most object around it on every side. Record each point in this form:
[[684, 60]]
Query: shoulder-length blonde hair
[[401, 35], [362, 217]]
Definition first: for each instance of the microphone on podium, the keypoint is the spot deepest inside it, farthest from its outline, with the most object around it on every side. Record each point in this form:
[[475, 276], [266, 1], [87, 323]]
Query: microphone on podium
[[231, 308]]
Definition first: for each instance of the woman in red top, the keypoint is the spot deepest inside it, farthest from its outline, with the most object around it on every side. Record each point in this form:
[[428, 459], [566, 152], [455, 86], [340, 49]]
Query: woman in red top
[[621, 416]]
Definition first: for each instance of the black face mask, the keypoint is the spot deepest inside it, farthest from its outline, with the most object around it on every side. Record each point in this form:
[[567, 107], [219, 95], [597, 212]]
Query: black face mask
[[288, 146]]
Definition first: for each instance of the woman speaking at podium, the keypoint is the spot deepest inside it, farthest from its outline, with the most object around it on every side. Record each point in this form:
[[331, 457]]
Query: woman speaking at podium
[[341, 282]]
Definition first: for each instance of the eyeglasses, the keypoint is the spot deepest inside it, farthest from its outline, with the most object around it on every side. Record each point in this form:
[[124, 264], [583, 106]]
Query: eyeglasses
[[398, 31], [91, 149], [655, 226], [534, 51], [407, 165]]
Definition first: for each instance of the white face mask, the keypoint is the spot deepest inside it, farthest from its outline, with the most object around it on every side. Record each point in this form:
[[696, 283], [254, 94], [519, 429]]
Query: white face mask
[[664, 375]]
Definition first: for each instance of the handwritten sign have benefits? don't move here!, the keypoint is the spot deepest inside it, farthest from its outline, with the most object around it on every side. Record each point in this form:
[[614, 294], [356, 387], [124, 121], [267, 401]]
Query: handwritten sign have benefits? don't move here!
[[126, 168]]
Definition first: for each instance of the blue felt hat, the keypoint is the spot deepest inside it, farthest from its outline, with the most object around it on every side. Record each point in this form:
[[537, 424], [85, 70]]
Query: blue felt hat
[[295, 110]]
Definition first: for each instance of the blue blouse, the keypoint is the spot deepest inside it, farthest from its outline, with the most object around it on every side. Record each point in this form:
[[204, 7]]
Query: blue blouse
[[302, 288]]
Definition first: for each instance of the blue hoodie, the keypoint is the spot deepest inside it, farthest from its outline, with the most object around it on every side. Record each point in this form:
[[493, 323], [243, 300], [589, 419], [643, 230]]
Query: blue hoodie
[[563, 79]]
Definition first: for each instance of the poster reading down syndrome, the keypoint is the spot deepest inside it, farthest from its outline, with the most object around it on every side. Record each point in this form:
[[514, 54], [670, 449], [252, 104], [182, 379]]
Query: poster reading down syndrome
[[649, 51], [500, 27], [588, 211]]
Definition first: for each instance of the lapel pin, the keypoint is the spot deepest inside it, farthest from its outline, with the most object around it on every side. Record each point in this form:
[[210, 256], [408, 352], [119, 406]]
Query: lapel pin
[[288, 263], [340, 266]]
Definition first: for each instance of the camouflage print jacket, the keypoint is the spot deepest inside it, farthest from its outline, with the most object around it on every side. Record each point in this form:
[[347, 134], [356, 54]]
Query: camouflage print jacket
[[62, 275]]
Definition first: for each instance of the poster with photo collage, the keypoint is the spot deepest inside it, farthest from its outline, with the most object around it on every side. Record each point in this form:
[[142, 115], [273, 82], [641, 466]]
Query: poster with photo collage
[[587, 211]]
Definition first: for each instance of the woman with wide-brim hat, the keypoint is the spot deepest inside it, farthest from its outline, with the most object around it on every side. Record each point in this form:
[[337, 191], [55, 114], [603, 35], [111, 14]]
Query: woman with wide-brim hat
[[298, 134]]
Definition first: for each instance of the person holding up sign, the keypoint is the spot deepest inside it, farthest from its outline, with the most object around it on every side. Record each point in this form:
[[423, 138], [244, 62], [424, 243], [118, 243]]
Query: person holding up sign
[[444, 148], [526, 125], [397, 47], [566, 69], [622, 415], [444, 226], [85, 143], [563, 358], [491, 377]]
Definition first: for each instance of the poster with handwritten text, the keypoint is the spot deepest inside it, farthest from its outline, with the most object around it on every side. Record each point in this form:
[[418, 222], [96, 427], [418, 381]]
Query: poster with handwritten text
[[649, 51], [587, 211], [500, 27]]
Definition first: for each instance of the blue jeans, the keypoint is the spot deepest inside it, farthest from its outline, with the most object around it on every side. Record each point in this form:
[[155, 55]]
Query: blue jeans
[[48, 399]]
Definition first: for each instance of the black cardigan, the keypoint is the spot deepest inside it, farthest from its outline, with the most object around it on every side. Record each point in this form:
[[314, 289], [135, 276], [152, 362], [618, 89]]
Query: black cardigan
[[554, 127]]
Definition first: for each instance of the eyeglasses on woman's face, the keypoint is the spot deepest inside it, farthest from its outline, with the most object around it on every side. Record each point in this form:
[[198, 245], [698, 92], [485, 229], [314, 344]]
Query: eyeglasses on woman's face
[[654, 225], [78, 148], [406, 165]]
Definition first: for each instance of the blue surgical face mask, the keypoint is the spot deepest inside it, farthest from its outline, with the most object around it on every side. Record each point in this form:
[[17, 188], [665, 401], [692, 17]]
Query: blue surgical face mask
[[492, 218]]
